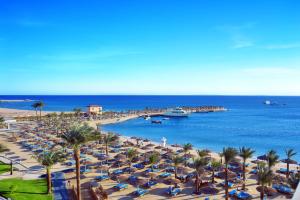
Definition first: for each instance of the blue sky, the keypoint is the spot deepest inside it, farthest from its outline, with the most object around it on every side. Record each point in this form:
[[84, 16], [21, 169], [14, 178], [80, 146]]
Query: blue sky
[[244, 47]]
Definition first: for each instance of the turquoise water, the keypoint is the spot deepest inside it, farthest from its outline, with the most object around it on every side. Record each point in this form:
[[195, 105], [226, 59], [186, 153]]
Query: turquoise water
[[248, 122]]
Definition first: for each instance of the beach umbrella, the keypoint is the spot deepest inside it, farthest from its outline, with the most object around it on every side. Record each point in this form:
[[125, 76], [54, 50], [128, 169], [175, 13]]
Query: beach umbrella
[[183, 170], [262, 157], [158, 147], [150, 145], [141, 181], [94, 184], [209, 190], [289, 160], [171, 181], [123, 177], [120, 157], [268, 190], [231, 175]]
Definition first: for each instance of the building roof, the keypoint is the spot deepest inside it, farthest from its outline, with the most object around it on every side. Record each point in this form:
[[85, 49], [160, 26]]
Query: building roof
[[93, 105]]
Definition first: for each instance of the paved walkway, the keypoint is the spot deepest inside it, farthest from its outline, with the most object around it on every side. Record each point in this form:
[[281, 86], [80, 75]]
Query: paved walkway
[[60, 191]]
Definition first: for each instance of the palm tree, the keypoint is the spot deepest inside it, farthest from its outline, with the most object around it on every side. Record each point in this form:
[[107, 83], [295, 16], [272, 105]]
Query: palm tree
[[108, 139], [187, 147], [221, 157], [272, 159], [153, 159], [40, 106], [264, 176], [75, 137], [229, 154], [177, 160], [289, 154], [2, 120], [35, 106], [245, 153], [202, 153], [199, 164], [77, 112], [48, 159], [131, 154], [215, 165]]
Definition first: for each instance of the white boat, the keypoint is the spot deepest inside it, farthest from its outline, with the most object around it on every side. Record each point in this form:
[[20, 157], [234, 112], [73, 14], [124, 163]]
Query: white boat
[[176, 112], [147, 118], [267, 102]]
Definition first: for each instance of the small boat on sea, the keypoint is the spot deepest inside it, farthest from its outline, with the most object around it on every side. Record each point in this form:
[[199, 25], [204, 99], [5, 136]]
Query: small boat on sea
[[177, 112], [147, 117], [156, 122], [267, 102], [166, 118]]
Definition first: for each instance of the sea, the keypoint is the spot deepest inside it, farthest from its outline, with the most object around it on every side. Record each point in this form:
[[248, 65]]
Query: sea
[[248, 122]]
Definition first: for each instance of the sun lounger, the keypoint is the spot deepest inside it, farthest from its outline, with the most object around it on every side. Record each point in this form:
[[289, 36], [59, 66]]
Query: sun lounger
[[102, 178], [150, 184], [230, 184], [254, 171], [132, 179], [121, 186], [244, 195], [165, 175], [118, 172], [170, 169], [140, 192], [173, 191], [139, 166], [232, 193], [283, 189]]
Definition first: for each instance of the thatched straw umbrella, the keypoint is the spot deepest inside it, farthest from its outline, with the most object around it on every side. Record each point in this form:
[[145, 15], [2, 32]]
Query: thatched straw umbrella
[[267, 190], [290, 161], [123, 177], [209, 190], [262, 157], [120, 157], [231, 175], [171, 181]]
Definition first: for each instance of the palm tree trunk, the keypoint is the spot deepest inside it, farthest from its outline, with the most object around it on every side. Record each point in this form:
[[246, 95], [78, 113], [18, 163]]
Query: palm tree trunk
[[197, 184], [11, 168], [288, 169], [36, 114], [213, 176], [77, 160], [244, 175], [40, 113], [49, 185], [106, 149], [175, 171], [226, 183], [262, 193]]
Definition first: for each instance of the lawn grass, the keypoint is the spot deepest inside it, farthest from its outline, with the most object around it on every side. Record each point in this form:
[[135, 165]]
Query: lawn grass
[[25, 189], [4, 168]]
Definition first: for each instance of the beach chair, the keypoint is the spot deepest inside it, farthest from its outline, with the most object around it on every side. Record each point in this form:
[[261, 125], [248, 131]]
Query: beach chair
[[118, 172], [139, 166], [243, 195], [121, 186], [140, 192], [284, 189], [230, 184], [165, 175], [102, 178], [150, 184], [173, 191], [232, 193], [132, 179]]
